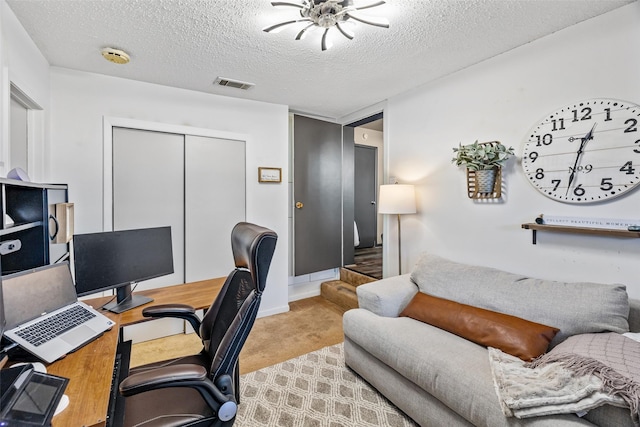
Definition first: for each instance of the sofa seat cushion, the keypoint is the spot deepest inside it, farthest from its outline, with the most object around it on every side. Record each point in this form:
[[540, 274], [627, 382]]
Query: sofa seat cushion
[[453, 370], [574, 308]]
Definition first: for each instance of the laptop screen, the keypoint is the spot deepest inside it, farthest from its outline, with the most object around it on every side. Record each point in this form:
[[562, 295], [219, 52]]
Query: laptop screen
[[32, 293]]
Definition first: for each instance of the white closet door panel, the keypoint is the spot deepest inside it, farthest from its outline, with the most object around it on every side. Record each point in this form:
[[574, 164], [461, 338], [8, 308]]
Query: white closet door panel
[[214, 203], [148, 189]]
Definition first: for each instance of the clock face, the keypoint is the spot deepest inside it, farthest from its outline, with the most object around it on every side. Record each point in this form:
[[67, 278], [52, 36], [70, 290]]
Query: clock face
[[586, 152]]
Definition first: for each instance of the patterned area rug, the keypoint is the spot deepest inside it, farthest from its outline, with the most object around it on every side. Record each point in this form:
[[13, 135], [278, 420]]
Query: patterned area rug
[[313, 390]]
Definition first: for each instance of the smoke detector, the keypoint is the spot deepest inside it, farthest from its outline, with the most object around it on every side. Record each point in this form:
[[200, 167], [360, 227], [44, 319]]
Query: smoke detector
[[115, 55], [223, 81]]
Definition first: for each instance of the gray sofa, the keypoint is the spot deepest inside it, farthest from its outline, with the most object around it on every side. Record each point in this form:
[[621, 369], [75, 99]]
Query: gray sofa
[[440, 379]]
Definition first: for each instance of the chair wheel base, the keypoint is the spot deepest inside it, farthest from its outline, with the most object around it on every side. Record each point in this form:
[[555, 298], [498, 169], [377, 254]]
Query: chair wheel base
[[227, 411]]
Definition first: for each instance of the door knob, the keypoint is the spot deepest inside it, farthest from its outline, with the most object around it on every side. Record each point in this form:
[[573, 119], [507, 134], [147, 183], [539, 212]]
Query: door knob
[[373, 202], [299, 205]]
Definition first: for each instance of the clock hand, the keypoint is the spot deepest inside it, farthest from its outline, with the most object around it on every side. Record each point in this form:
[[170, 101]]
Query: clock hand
[[584, 141], [590, 134]]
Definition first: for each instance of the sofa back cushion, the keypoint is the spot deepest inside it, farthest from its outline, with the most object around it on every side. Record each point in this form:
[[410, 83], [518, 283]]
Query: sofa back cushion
[[574, 308]]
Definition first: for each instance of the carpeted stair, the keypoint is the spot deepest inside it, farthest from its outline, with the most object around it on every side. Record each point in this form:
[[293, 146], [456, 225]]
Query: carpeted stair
[[342, 292]]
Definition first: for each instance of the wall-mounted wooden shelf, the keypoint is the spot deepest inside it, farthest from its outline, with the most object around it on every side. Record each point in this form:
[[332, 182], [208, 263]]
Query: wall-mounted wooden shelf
[[578, 230]]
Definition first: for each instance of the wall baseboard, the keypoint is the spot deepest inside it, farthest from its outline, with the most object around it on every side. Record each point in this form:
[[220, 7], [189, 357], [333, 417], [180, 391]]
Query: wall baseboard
[[272, 311], [304, 290]]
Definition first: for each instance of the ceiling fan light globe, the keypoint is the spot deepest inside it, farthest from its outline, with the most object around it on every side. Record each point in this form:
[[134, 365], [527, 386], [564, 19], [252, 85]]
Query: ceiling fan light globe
[[327, 20]]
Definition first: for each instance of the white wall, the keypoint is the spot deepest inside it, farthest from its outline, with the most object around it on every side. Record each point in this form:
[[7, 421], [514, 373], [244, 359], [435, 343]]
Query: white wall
[[501, 99], [69, 148], [79, 101], [23, 65]]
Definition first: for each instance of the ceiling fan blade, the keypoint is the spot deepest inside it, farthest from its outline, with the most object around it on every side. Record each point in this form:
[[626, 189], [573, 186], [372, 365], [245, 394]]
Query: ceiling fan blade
[[378, 22], [286, 3], [345, 32], [326, 44], [379, 3], [277, 27], [303, 32]]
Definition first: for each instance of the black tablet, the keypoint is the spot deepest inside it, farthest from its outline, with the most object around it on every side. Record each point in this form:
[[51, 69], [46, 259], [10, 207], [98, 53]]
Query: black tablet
[[32, 398]]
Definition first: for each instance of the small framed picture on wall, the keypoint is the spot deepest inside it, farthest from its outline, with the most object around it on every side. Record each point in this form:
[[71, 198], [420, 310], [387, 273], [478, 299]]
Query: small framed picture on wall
[[269, 174]]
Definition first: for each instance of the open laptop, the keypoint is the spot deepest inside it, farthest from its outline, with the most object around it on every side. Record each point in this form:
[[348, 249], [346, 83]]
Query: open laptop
[[43, 313]]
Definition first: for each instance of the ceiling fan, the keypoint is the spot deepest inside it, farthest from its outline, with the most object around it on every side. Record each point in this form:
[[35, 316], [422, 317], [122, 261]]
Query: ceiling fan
[[328, 14]]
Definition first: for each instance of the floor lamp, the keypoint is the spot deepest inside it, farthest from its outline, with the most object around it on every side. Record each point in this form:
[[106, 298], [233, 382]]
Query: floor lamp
[[397, 199]]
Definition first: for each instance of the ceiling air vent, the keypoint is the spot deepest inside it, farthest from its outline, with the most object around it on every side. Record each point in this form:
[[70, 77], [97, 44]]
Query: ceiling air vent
[[222, 81]]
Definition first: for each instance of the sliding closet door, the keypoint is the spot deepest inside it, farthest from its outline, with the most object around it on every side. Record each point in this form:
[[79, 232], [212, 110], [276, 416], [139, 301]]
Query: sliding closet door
[[148, 189], [214, 203], [194, 184]]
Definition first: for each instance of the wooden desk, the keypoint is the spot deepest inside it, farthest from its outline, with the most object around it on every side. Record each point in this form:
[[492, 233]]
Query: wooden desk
[[90, 368]]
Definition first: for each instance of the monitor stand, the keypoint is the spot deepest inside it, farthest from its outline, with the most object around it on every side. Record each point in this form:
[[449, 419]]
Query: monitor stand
[[125, 300]]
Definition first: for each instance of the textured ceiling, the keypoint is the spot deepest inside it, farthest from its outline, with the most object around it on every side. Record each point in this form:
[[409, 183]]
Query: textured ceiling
[[188, 43]]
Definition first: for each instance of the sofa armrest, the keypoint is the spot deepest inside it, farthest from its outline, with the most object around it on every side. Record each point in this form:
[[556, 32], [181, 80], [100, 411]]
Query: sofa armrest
[[387, 297], [634, 315]]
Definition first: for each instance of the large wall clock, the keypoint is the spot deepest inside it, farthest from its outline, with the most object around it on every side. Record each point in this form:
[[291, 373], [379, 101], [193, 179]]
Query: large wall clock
[[585, 152]]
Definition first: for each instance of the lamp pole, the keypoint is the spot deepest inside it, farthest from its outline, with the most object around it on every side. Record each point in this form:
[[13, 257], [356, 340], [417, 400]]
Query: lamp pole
[[399, 246]]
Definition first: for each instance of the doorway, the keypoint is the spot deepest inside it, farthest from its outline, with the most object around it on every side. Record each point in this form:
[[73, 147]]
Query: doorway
[[323, 193], [26, 120], [368, 171], [365, 193], [317, 192]]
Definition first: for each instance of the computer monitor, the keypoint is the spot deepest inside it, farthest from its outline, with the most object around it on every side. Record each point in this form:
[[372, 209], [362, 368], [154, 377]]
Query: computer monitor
[[118, 259]]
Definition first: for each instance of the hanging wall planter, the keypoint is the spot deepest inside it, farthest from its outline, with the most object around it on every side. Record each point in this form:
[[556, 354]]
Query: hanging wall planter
[[484, 184], [484, 167], [486, 180]]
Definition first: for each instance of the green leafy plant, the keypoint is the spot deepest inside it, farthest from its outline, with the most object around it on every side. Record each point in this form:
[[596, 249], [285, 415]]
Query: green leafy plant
[[479, 156]]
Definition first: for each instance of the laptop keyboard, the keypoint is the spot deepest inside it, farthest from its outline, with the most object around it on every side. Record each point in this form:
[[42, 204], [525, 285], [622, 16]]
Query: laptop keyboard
[[49, 328]]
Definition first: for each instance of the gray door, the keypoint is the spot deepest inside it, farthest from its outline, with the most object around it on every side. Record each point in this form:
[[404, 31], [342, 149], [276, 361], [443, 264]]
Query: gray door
[[365, 195], [317, 195]]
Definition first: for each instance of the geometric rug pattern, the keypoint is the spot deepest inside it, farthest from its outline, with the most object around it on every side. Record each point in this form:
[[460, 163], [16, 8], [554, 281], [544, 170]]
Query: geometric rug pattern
[[313, 390]]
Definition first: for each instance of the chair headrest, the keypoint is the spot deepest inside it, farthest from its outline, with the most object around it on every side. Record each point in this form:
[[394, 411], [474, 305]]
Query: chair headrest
[[253, 247]]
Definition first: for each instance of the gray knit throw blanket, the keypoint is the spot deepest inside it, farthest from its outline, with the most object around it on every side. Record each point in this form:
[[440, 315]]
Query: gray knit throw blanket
[[611, 357]]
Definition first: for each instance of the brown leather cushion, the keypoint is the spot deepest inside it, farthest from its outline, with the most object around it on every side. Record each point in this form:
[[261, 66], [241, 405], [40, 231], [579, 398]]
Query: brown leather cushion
[[513, 335]]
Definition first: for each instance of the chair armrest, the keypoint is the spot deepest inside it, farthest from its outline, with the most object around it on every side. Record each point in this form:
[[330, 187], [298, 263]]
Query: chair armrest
[[387, 297], [160, 377], [180, 311], [186, 375]]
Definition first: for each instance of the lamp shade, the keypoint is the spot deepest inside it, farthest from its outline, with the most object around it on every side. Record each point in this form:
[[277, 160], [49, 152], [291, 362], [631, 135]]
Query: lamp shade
[[397, 199]]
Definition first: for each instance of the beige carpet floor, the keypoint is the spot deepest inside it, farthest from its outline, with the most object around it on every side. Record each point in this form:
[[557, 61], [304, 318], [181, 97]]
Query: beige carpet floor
[[311, 324]]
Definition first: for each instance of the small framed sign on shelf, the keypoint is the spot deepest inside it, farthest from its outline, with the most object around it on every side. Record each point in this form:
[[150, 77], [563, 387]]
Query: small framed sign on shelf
[[269, 174]]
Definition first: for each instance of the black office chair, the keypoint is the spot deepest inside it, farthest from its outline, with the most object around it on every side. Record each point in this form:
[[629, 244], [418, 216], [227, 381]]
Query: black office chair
[[202, 390]]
